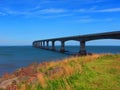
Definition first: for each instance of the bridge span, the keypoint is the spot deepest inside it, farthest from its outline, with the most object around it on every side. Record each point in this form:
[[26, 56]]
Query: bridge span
[[44, 44]]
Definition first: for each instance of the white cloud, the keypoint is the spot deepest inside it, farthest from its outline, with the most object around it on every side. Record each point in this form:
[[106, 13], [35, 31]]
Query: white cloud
[[56, 16], [109, 10], [53, 10], [37, 12], [91, 10], [89, 20], [15, 12], [77, 1], [33, 9]]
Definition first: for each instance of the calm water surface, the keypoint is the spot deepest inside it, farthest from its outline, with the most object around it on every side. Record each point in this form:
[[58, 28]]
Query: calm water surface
[[14, 57]]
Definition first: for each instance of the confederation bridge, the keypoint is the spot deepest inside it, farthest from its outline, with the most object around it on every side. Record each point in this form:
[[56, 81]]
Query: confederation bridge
[[44, 44]]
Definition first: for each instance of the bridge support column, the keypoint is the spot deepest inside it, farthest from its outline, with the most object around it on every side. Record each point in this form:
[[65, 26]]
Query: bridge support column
[[43, 44], [37, 44], [82, 48], [53, 45], [40, 44], [62, 46], [34, 44], [47, 46]]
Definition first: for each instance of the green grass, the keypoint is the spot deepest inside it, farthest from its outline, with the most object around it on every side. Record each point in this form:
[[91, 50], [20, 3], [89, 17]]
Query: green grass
[[97, 72], [100, 74]]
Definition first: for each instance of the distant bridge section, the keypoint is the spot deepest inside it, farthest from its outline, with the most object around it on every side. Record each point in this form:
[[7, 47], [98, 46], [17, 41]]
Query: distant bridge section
[[44, 44]]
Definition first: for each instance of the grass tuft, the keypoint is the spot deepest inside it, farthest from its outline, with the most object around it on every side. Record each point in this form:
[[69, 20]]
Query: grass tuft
[[95, 72]]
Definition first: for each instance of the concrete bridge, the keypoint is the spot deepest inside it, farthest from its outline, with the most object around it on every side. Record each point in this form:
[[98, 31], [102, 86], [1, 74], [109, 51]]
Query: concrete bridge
[[44, 44]]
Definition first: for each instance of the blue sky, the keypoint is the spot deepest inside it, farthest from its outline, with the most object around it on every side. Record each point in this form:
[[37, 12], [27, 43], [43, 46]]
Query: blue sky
[[23, 21]]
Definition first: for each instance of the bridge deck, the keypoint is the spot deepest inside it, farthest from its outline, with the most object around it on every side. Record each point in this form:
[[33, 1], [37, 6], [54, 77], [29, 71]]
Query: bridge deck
[[109, 35], [81, 38]]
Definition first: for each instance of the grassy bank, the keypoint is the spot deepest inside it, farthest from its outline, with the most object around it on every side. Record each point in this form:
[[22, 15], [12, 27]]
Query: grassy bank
[[96, 72]]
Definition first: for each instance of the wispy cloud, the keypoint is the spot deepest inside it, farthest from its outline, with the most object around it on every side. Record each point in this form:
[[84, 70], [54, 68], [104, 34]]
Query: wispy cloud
[[53, 10], [92, 1], [11, 12], [89, 20], [109, 10], [56, 16], [91, 10], [75, 1], [37, 12]]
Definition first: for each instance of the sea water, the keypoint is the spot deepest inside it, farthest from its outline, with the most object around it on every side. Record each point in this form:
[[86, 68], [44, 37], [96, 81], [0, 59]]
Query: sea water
[[14, 57]]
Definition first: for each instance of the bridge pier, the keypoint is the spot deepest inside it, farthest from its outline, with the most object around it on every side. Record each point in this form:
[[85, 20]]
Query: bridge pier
[[34, 44], [47, 44], [82, 39], [40, 44], [62, 46], [53, 45], [37, 44], [82, 48], [43, 44]]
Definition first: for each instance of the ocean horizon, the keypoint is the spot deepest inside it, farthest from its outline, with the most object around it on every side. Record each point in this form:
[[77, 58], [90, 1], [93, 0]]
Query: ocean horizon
[[15, 57]]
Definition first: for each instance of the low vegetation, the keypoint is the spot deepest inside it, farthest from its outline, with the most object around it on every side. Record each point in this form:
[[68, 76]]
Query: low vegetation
[[95, 72]]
